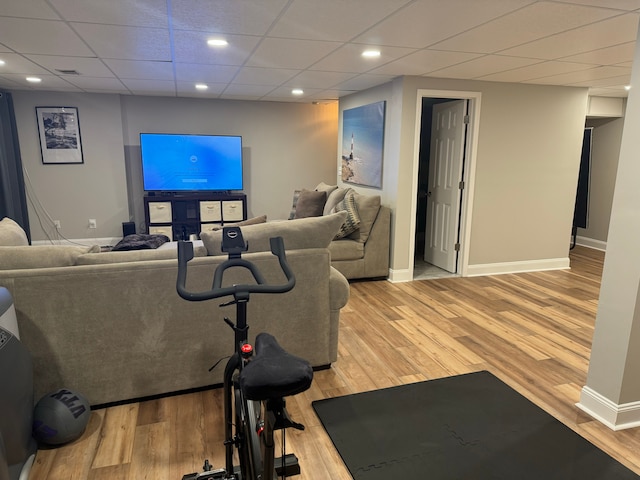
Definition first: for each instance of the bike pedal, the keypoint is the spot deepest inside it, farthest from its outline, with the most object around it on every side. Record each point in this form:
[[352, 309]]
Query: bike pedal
[[291, 466], [218, 474]]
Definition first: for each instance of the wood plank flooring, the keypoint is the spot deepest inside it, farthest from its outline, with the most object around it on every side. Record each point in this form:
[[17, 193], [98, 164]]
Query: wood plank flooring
[[532, 330]]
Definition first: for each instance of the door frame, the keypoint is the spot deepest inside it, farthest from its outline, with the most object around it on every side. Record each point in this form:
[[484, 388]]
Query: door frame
[[471, 147]]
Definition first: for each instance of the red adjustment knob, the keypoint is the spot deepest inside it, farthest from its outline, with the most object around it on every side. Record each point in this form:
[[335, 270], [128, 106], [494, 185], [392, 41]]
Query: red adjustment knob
[[246, 350]]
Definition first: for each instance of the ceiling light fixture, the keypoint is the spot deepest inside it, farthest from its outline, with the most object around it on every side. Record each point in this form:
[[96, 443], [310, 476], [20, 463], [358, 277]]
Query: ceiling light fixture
[[217, 42], [201, 86], [371, 53], [34, 79], [2, 62], [627, 87], [297, 91]]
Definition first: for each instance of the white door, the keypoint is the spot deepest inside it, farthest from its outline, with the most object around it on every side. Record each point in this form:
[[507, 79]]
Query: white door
[[445, 174]]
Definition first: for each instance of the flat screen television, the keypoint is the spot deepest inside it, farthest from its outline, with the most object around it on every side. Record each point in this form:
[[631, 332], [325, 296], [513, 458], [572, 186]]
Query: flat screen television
[[191, 163]]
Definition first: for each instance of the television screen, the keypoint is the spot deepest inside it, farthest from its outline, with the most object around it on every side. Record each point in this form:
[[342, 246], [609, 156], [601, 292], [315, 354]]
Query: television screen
[[175, 163]]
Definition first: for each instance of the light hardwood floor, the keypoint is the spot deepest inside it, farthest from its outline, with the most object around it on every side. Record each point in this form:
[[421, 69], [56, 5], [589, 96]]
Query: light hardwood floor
[[532, 330]]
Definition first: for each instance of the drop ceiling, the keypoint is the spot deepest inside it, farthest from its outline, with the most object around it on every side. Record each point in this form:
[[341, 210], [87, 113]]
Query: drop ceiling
[[159, 47]]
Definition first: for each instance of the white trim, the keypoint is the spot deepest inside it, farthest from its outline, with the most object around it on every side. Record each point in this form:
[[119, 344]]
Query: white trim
[[398, 276], [466, 205], [79, 241], [591, 243], [614, 416], [518, 267]]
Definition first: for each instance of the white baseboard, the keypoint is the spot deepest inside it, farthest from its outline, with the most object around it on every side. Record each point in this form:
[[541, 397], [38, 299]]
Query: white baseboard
[[614, 416], [398, 276], [591, 243], [79, 241], [518, 267]]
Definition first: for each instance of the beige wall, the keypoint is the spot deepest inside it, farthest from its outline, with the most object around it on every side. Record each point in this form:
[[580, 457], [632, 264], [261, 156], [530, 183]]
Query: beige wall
[[607, 135], [286, 146], [527, 161]]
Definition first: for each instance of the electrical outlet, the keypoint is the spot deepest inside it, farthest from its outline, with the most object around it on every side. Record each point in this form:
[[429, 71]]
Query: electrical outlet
[[92, 223], [57, 224]]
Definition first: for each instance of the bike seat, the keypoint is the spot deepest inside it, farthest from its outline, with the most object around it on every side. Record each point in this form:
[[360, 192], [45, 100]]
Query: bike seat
[[273, 372]]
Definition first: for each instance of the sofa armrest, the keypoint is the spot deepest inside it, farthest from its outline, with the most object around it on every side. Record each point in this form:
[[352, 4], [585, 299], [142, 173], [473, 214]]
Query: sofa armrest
[[377, 248]]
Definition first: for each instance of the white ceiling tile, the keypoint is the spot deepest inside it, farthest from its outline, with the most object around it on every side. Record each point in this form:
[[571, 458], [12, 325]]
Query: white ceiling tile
[[538, 70], [483, 66], [189, 72], [525, 25], [424, 23], [335, 19], [286, 53], [246, 17], [423, 62], [191, 47], [97, 83], [285, 92], [136, 86], [237, 90], [53, 37], [619, 4], [15, 63], [619, 81], [28, 9], [614, 31], [130, 69], [316, 79], [264, 76], [363, 81], [126, 43], [4, 48], [214, 89], [605, 56], [141, 13], [91, 67], [49, 82], [349, 59], [582, 76]]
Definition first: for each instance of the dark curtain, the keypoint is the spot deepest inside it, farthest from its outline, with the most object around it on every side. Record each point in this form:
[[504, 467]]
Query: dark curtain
[[13, 202]]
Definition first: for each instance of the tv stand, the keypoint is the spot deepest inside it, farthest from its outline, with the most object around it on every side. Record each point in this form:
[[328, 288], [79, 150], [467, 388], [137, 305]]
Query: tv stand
[[179, 216]]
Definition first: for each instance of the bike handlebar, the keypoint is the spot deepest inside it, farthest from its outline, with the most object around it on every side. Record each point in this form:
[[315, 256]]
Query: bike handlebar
[[185, 254]]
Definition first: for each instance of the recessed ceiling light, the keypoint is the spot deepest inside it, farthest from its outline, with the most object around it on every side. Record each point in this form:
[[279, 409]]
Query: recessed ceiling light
[[297, 91], [2, 62], [201, 86], [34, 79], [217, 42], [371, 53], [627, 87]]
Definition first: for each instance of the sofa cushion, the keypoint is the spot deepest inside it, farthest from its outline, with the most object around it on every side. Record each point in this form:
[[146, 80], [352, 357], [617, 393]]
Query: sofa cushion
[[249, 221], [323, 187], [346, 249], [368, 207], [42, 256], [294, 204], [351, 224], [311, 232], [12, 234], [310, 204], [167, 251]]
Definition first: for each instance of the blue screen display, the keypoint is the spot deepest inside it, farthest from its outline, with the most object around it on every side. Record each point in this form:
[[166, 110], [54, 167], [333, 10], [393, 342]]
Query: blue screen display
[[173, 163]]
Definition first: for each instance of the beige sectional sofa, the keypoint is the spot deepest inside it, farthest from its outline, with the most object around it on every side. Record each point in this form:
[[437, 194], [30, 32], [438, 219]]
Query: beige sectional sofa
[[363, 252], [111, 326]]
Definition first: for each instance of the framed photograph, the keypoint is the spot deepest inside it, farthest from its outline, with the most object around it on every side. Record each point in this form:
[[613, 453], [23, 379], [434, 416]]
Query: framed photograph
[[362, 144], [59, 131]]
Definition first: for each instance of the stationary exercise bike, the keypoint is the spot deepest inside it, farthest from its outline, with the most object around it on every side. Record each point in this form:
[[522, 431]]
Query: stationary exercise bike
[[255, 386]]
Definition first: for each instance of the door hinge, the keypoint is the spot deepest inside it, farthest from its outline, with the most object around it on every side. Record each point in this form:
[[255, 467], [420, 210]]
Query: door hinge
[[466, 119], [457, 247], [461, 185]]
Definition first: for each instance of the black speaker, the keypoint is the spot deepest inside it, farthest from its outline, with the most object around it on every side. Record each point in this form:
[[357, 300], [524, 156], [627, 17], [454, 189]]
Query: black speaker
[[128, 228]]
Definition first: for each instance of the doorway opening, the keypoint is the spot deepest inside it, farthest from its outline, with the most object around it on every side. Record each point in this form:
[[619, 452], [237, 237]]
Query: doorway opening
[[446, 130]]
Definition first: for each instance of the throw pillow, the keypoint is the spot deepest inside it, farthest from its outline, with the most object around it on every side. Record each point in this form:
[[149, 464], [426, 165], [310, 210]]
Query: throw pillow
[[323, 187], [368, 207], [312, 232], [310, 204], [333, 198], [294, 204], [12, 234], [351, 224]]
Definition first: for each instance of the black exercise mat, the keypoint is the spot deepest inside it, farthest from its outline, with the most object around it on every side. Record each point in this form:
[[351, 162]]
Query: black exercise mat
[[470, 426]]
